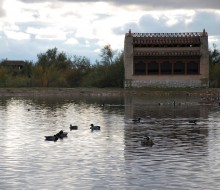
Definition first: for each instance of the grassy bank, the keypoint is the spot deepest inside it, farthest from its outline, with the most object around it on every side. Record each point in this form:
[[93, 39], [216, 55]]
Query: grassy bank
[[19, 92]]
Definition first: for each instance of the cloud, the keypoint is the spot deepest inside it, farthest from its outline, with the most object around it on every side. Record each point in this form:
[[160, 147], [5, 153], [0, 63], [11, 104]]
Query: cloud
[[84, 27], [16, 35], [149, 23], [193, 22], [208, 20], [48, 33], [173, 4], [2, 11], [71, 41], [155, 4]]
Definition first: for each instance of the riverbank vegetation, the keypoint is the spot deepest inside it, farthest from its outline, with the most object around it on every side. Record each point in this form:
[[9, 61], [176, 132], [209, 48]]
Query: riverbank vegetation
[[214, 67], [56, 69]]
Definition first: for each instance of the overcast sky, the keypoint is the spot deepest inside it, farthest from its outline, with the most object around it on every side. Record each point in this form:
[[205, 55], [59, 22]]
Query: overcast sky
[[83, 27]]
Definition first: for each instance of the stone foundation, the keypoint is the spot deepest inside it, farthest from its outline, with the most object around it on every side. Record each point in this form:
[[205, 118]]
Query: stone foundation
[[164, 83]]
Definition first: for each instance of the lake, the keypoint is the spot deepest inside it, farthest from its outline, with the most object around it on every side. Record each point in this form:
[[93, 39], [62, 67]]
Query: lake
[[184, 156]]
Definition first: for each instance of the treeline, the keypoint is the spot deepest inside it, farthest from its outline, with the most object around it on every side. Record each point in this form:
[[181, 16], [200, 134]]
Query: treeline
[[214, 67], [56, 69]]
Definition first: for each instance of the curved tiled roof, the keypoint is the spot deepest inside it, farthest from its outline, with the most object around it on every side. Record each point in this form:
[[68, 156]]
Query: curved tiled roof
[[167, 53], [167, 40], [168, 35]]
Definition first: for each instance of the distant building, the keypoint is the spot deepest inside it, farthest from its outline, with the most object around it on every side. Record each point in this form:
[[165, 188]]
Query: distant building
[[166, 59], [15, 64]]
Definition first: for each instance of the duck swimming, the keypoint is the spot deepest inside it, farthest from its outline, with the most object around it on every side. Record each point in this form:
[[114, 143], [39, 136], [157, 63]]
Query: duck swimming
[[73, 127], [147, 141], [93, 127], [61, 134], [51, 138], [193, 122], [138, 120]]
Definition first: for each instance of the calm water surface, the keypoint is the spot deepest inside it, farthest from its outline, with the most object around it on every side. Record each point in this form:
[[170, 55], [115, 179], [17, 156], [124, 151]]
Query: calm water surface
[[184, 157]]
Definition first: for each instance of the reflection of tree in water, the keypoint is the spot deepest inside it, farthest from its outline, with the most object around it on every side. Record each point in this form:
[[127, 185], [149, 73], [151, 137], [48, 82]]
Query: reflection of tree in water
[[54, 104]]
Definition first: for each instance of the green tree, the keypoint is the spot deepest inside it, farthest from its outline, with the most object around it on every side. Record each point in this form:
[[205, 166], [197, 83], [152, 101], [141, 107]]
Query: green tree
[[56, 69], [215, 76], [214, 55], [27, 69], [214, 67], [80, 67], [109, 72], [107, 55], [50, 68], [3, 76]]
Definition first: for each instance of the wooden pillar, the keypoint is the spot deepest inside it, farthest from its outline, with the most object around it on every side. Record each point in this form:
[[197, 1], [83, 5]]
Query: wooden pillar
[[172, 70], [159, 68]]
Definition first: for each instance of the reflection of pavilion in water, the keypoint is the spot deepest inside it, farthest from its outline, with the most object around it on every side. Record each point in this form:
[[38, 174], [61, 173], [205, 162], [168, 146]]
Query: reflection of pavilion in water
[[167, 124], [164, 107]]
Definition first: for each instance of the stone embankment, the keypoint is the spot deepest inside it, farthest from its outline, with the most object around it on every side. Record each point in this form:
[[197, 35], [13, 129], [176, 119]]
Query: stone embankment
[[68, 92]]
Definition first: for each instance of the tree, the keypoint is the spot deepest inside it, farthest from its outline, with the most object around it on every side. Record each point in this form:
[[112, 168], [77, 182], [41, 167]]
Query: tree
[[107, 55], [51, 66], [106, 74], [56, 69], [3, 75], [214, 55], [80, 66], [214, 67], [27, 69]]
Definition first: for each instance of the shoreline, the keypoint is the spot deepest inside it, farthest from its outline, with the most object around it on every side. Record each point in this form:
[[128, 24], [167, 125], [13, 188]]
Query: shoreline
[[68, 92]]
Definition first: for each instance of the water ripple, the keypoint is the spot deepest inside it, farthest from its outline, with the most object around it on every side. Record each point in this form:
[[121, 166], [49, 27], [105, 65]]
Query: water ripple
[[184, 156]]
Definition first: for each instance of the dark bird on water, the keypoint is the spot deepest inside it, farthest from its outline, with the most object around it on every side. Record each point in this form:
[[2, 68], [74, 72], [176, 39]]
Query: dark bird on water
[[73, 127], [51, 138], [193, 122], [147, 141], [138, 120], [61, 134], [93, 127]]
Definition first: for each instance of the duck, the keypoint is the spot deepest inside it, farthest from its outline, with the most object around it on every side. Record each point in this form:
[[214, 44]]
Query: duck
[[51, 138], [147, 141], [73, 127], [138, 120], [93, 127], [193, 122], [61, 134]]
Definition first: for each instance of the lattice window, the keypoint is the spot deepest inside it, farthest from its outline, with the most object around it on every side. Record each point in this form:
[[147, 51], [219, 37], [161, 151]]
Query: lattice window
[[153, 68], [179, 68], [140, 68], [166, 68], [192, 68]]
